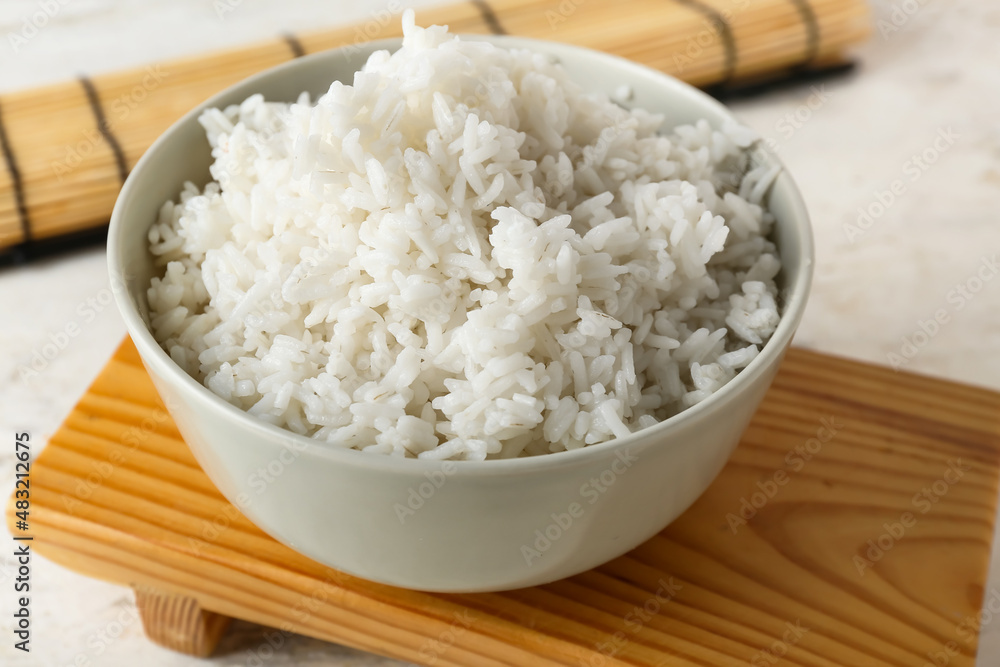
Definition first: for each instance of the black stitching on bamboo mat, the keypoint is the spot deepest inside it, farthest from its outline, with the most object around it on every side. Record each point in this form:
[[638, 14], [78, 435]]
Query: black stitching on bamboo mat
[[812, 29], [725, 34], [489, 17], [104, 127], [294, 44], [16, 183]]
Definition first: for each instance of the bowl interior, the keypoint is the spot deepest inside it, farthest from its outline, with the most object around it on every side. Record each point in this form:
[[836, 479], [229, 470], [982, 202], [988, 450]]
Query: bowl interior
[[182, 154]]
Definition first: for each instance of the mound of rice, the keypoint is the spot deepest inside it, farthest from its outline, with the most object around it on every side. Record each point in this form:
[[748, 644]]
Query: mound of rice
[[464, 255]]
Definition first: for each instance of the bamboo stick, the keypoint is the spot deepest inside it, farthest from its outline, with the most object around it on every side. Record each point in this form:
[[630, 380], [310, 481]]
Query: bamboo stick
[[60, 171]]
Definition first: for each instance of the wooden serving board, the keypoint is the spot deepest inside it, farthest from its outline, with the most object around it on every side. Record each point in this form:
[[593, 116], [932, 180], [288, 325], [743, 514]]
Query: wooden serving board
[[864, 540]]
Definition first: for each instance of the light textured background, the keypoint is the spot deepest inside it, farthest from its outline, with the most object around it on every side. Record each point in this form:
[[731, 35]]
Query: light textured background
[[939, 70]]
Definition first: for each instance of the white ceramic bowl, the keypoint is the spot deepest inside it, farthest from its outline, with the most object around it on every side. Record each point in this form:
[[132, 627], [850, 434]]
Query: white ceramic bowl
[[448, 526]]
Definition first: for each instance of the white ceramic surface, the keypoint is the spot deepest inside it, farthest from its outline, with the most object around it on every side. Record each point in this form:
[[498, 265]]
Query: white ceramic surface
[[459, 526]]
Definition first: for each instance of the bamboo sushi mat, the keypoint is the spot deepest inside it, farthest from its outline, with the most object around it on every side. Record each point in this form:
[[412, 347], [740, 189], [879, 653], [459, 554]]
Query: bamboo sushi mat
[[67, 148]]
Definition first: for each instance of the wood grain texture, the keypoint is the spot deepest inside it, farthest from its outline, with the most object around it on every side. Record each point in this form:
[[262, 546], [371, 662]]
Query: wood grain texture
[[867, 500], [69, 144], [178, 622]]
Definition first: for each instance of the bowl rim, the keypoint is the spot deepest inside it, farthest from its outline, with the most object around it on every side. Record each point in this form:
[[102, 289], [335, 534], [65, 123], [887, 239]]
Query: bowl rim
[[154, 356]]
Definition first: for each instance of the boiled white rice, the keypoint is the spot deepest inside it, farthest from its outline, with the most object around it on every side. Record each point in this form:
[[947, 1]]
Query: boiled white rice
[[464, 255]]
